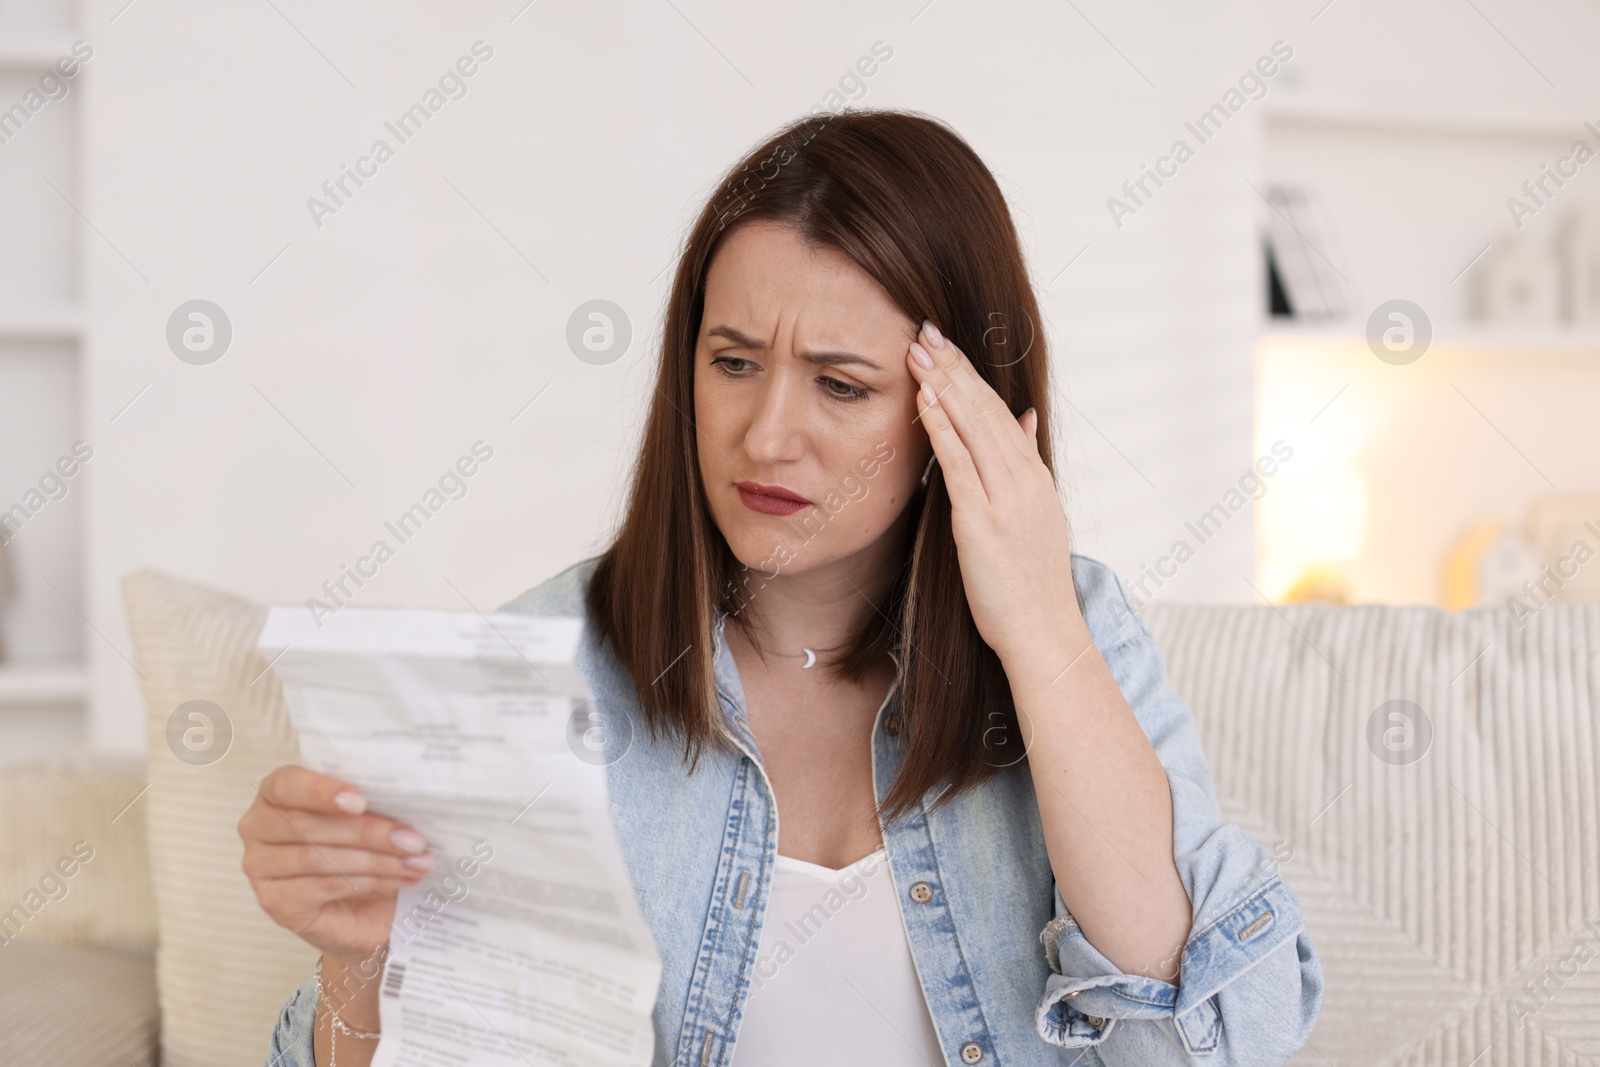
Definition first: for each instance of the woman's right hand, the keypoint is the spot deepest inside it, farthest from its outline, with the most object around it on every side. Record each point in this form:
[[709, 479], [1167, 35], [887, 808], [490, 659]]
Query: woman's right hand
[[324, 867]]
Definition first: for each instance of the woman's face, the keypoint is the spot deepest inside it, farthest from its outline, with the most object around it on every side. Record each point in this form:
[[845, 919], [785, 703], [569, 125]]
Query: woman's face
[[800, 382]]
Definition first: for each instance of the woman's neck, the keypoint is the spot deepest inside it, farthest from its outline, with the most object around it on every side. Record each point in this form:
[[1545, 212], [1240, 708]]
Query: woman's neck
[[818, 609], [824, 605]]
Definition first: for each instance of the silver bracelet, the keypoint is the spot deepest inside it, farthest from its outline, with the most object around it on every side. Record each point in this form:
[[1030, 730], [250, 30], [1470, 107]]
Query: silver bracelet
[[338, 1025]]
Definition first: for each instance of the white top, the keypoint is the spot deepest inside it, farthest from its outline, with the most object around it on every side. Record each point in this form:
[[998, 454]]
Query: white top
[[833, 980]]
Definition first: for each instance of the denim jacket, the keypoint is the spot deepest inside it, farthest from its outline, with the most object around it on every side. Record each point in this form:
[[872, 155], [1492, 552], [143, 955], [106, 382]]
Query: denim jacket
[[1009, 977]]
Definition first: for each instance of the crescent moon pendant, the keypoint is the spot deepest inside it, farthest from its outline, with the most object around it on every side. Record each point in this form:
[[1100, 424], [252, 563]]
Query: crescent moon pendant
[[811, 658]]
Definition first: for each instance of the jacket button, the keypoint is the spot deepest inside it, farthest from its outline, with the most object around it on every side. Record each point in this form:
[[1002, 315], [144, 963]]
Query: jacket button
[[922, 892], [1097, 1022], [971, 1052]]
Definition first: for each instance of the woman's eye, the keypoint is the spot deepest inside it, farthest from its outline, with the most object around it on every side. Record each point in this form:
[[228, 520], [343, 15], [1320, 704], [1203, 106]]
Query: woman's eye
[[851, 392], [834, 387]]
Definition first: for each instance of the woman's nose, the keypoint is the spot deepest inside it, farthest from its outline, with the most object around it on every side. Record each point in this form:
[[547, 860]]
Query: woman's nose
[[777, 423]]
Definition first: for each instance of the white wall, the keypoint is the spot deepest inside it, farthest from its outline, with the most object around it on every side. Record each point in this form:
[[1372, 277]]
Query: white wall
[[375, 350]]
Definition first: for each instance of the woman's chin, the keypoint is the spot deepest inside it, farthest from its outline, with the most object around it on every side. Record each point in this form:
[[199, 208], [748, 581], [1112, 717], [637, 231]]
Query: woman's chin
[[762, 555]]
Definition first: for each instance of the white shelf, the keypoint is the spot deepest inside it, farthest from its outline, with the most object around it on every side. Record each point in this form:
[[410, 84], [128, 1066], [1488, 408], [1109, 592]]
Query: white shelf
[[1509, 340], [33, 684], [45, 706], [62, 322], [1327, 112]]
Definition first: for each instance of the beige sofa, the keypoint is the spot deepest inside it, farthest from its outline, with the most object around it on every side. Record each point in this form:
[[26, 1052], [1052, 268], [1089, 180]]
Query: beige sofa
[[1427, 782]]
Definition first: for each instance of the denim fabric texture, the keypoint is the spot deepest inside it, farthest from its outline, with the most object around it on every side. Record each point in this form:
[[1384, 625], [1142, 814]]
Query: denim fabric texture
[[1009, 977]]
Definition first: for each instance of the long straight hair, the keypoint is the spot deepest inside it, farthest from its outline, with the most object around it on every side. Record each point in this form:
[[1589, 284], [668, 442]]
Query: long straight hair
[[911, 203]]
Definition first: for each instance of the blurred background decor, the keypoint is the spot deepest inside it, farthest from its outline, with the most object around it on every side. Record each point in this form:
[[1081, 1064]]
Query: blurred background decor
[[1519, 283]]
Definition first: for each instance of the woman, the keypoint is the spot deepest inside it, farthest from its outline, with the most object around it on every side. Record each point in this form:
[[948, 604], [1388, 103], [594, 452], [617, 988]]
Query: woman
[[1000, 841]]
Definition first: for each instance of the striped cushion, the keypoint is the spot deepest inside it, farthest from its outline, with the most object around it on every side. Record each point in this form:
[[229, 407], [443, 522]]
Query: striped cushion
[[224, 967], [78, 1006], [1436, 883], [91, 805]]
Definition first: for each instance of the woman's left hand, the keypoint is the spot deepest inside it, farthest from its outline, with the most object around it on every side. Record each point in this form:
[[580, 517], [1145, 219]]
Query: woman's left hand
[[1010, 531]]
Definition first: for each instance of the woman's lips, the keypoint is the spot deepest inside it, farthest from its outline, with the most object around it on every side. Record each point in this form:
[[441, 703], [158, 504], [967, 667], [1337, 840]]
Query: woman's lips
[[767, 504]]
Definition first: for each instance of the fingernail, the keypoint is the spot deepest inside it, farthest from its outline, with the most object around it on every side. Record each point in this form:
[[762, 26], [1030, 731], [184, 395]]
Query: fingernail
[[421, 863], [920, 354], [408, 841], [929, 397], [935, 338], [354, 803]]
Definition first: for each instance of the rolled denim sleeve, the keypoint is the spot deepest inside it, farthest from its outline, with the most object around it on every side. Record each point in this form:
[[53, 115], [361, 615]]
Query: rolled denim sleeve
[[292, 1038], [1250, 984]]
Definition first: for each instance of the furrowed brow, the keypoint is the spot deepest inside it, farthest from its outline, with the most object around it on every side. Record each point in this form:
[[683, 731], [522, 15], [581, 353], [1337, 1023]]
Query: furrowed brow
[[835, 359]]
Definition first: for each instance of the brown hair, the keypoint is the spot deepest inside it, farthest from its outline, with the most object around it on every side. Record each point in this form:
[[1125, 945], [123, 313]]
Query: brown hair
[[911, 203]]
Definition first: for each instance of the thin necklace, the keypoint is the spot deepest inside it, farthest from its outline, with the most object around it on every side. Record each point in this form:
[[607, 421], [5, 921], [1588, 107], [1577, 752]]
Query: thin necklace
[[806, 654], [810, 657]]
